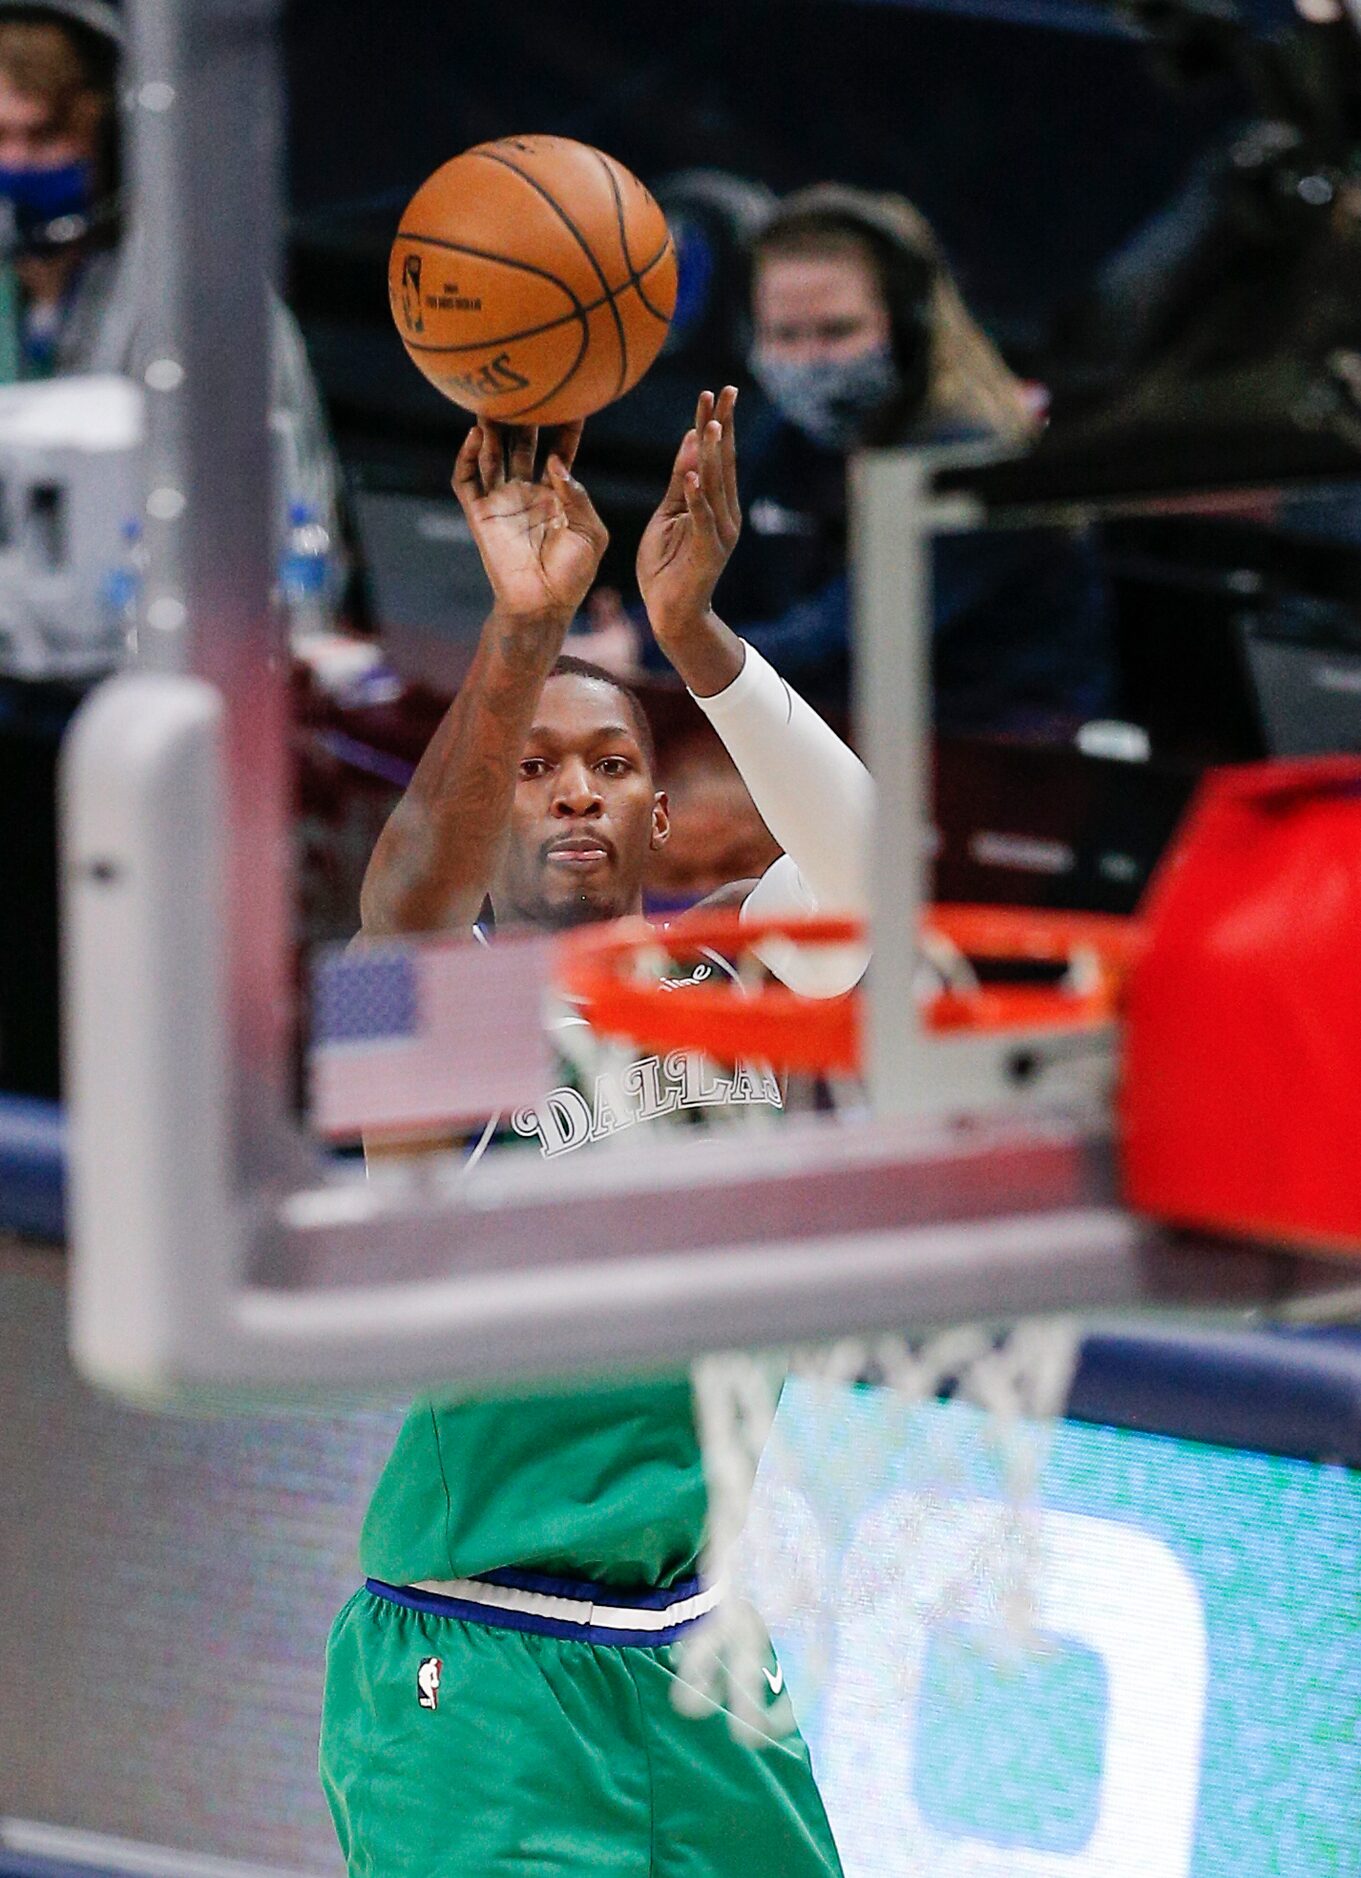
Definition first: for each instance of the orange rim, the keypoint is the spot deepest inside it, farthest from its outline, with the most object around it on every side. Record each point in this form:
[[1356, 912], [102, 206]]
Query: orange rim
[[771, 1024]]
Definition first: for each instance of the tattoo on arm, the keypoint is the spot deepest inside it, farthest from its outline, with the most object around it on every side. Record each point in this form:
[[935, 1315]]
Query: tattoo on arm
[[434, 861]]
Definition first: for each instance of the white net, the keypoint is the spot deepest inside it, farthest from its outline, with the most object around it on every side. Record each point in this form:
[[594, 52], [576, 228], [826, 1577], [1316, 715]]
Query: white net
[[964, 1550]]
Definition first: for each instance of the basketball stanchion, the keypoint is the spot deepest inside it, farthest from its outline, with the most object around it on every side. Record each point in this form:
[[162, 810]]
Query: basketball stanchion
[[1241, 1095], [969, 1554]]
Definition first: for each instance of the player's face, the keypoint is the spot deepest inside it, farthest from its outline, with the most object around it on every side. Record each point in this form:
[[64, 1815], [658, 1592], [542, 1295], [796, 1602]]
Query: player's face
[[586, 813], [814, 309]]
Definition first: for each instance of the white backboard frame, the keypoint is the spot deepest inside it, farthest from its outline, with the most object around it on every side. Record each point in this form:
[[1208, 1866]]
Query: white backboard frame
[[213, 1247]]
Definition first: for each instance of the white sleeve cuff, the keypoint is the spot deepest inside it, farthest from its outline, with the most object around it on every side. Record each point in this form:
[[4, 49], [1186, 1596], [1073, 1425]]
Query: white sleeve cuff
[[812, 971]]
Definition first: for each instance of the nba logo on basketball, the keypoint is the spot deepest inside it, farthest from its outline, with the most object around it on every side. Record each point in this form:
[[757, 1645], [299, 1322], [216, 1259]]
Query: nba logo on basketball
[[411, 294], [427, 1681]]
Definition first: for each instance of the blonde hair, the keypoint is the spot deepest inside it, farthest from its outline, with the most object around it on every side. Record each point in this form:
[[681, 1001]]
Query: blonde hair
[[968, 380]]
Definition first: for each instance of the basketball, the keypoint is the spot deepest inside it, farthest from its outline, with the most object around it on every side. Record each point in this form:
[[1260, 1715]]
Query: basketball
[[532, 280]]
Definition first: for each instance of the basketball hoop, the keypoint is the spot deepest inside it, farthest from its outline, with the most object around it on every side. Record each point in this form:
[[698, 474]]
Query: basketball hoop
[[1067, 973], [611, 975]]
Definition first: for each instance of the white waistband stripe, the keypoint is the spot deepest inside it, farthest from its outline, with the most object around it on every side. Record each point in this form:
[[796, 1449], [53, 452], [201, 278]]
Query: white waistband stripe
[[572, 1610]]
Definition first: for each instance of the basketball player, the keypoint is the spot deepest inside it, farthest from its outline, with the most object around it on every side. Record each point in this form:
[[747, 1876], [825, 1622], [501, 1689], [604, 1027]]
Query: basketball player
[[499, 1695]]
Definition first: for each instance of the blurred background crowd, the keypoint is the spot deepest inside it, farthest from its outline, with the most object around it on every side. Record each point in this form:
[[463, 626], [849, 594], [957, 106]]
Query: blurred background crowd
[[971, 224]]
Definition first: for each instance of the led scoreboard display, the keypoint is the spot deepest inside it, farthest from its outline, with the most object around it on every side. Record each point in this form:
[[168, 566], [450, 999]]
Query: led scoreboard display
[[1194, 1707]]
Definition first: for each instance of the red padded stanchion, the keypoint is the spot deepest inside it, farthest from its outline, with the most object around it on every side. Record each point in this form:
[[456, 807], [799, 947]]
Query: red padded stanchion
[[1241, 1086]]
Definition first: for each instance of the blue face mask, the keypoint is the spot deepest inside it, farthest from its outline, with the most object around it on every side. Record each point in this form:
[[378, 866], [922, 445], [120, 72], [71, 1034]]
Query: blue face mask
[[39, 197], [831, 400]]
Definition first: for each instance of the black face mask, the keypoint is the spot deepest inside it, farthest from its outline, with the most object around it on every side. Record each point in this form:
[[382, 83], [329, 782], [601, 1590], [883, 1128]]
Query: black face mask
[[831, 400]]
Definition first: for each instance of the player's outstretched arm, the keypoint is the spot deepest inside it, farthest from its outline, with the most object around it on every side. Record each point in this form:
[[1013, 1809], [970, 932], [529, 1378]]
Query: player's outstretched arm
[[813, 793], [541, 542], [687, 545]]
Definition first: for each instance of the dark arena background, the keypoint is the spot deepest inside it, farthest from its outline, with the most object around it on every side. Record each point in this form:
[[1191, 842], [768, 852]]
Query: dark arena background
[[1150, 211]]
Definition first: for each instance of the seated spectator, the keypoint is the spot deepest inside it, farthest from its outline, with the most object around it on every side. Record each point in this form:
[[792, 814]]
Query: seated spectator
[[717, 834], [72, 281], [861, 337]]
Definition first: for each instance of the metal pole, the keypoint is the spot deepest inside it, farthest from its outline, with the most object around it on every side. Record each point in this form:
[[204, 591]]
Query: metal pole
[[205, 139], [890, 548]]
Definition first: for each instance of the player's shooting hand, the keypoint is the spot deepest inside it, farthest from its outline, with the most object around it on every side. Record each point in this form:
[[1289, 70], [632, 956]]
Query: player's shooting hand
[[689, 539], [540, 538]]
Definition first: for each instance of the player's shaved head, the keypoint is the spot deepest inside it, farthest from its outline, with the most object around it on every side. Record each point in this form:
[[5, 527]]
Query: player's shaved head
[[568, 665]]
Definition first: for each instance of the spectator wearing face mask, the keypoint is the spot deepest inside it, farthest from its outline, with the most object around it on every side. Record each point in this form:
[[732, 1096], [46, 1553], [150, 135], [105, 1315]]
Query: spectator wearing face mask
[[861, 337], [73, 282], [58, 157]]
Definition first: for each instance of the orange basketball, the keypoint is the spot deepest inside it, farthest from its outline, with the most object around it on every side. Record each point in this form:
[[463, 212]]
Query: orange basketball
[[532, 279]]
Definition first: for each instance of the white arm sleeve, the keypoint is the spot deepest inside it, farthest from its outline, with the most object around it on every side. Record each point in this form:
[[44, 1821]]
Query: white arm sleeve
[[817, 798]]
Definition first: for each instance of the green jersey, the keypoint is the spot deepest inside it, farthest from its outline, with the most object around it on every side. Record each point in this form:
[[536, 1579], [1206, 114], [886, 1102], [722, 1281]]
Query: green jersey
[[606, 1484]]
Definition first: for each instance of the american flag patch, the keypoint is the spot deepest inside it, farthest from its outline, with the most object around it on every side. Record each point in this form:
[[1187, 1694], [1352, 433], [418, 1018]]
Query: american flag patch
[[426, 1032], [363, 999]]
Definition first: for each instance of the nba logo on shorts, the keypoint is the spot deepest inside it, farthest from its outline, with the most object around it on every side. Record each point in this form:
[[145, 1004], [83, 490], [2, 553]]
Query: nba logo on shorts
[[427, 1681]]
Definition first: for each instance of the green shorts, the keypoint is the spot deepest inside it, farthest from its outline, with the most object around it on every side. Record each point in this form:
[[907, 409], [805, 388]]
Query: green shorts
[[452, 1747]]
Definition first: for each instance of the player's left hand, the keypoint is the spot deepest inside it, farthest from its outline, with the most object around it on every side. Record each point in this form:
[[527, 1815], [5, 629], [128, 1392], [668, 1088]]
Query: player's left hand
[[689, 539]]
